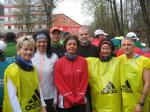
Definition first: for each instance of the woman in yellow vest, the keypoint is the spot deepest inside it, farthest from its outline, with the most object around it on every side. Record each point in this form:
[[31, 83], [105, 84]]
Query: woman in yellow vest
[[104, 80], [21, 88]]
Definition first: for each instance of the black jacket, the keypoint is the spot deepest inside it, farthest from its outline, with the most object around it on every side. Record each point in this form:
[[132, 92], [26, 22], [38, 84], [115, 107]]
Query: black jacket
[[88, 51]]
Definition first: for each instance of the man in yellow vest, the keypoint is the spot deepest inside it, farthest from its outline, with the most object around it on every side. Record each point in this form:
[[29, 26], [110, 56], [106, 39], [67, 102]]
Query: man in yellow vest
[[135, 79]]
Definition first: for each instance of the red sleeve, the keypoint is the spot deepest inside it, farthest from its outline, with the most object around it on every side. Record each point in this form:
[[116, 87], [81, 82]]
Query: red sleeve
[[147, 55], [60, 84], [83, 84], [138, 51], [120, 52]]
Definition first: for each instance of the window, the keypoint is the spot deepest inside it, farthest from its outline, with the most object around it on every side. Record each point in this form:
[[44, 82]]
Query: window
[[70, 23], [32, 26], [40, 26], [9, 18], [9, 1], [18, 27], [9, 10], [64, 20], [34, 17], [20, 18], [9, 27]]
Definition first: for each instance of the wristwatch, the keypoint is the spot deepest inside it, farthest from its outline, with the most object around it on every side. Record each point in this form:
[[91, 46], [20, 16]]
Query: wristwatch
[[141, 104]]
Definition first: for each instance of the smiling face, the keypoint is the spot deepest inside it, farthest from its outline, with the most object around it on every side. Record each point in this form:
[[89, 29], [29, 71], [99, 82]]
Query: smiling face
[[26, 47], [55, 36], [26, 52], [41, 45], [71, 46], [83, 35], [105, 50]]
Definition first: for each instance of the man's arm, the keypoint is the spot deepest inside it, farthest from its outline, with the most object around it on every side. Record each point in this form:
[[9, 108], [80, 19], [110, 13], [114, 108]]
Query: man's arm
[[146, 88]]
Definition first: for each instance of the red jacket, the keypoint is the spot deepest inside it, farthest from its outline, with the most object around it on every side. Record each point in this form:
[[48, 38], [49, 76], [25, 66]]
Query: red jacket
[[71, 80], [147, 55], [97, 41]]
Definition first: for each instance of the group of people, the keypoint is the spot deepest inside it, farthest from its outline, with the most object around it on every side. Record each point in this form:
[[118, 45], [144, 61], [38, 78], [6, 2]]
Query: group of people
[[76, 76]]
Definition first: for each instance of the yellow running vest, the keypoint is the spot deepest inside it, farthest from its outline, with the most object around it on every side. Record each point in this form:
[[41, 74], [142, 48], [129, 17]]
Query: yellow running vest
[[104, 80], [26, 83], [132, 83]]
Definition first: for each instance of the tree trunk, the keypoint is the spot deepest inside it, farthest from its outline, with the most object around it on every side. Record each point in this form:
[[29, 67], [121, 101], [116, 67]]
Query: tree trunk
[[132, 14], [117, 18], [97, 14], [48, 6], [112, 14], [146, 19], [121, 11]]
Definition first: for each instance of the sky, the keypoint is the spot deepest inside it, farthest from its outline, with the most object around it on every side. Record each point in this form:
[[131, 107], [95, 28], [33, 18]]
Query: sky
[[73, 9]]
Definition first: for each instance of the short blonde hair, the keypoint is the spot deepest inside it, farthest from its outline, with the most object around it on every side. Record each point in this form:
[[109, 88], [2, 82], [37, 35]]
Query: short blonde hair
[[25, 40]]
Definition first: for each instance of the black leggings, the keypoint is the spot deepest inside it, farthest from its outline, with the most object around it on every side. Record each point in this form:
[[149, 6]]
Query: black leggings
[[76, 108], [89, 102], [49, 104]]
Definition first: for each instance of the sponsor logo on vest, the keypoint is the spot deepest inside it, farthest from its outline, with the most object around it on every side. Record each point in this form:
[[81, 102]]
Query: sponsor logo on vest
[[109, 89], [126, 88], [34, 102]]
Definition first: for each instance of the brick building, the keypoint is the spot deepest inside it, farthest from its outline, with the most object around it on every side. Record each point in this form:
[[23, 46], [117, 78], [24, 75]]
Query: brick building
[[66, 24]]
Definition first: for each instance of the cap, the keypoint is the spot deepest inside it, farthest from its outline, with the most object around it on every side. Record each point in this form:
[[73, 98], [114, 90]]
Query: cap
[[132, 35], [2, 46], [99, 32], [55, 28]]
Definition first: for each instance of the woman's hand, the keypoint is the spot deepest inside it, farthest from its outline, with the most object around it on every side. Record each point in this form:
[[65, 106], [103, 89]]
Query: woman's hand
[[43, 109]]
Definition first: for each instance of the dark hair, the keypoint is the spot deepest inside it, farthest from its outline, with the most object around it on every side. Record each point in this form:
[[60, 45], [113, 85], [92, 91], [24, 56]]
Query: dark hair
[[48, 50], [65, 34], [1, 36], [71, 37], [10, 37], [106, 41]]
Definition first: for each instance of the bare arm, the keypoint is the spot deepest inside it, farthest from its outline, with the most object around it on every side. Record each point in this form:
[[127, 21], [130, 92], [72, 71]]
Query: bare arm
[[146, 88]]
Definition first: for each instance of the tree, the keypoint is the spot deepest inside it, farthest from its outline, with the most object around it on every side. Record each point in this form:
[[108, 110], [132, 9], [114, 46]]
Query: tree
[[112, 16], [121, 16], [121, 11], [105, 14], [34, 12], [24, 14], [116, 16], [145, 18], [49, 5]]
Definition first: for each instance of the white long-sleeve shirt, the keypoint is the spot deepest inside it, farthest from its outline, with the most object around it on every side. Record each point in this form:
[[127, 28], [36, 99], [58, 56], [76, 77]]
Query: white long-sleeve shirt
[[45, 67], [12, 94]]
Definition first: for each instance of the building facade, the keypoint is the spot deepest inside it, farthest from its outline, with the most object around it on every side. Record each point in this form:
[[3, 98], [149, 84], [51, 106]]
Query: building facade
[[13, 21], [66, 24]]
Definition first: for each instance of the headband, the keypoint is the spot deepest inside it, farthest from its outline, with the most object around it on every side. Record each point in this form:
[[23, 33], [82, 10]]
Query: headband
[[106, 42], [41, 35]]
